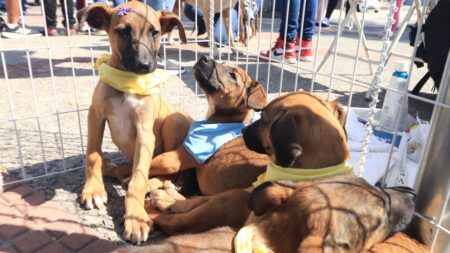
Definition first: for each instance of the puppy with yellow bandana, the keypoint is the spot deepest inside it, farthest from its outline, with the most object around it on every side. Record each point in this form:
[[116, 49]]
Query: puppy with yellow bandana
[[127, 97]]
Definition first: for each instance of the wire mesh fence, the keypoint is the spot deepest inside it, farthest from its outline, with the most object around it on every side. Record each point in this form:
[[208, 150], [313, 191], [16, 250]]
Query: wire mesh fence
[[47, 81]]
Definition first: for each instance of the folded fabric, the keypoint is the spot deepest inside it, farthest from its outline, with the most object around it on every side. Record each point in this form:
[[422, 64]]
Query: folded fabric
[[374, 167], [356, 132], [205, 138]]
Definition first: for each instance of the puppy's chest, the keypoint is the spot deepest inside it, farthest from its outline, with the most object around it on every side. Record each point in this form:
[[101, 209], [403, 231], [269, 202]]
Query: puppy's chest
[[122, 118]]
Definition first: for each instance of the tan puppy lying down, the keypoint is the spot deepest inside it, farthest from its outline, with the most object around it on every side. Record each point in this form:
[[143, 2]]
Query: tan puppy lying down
[[334, 214]]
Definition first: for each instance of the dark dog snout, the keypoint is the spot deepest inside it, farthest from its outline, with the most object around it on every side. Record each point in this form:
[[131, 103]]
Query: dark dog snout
[[251, 137], [206, 59]]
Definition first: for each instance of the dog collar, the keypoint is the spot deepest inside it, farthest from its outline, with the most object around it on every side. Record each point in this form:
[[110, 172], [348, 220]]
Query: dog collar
[[205, 138], [275, 172], [146, 84], [243, 241]]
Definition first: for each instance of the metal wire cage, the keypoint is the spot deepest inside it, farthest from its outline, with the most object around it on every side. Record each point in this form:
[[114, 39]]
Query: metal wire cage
[[47, 85]]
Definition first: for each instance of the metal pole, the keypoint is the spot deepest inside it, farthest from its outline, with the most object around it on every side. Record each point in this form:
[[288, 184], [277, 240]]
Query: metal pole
[[433, 182]]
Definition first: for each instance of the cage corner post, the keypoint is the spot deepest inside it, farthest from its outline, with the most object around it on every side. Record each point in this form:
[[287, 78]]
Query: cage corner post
[[432, 224]]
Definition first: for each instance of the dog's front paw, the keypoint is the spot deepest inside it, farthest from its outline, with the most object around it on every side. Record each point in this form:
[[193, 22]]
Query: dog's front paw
[[137, 225], [161, 200], [94, 194]]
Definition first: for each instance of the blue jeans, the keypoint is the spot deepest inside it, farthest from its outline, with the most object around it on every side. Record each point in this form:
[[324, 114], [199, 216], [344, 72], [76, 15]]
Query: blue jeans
[[115, 2], [294, 19], [158, 5], [189, 11]]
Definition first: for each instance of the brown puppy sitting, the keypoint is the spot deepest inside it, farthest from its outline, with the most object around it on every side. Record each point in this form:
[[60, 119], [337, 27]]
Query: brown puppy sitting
[[141, 122], [333, 214], [299, 131], [232, 96]]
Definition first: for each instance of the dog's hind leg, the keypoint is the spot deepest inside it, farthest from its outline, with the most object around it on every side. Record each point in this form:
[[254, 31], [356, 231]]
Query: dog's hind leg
[[174, 130], [171, 162]]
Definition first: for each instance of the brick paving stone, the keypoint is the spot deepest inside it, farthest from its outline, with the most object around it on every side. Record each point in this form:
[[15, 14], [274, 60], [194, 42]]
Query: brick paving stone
[[53, 248], [34, 206], [33, 241], [7, 250], [17, 193], [99, 246], [15, 227], [62, 228], [8, 213], [77, 241]]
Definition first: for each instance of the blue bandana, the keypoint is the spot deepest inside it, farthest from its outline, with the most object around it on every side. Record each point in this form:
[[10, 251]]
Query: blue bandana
[[206, 137]]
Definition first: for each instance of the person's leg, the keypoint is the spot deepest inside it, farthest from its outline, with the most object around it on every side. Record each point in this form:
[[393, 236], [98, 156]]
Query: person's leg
[[13, 10], [161, 4], [81, 4], [50, 13], [12, 28], [330, 8], [24, 6], [290, 20], [285, 47], [117, 2], [309, 20], [220, 33], [305, 45], [189, 11], [397, 15], [347, 7], [67, 4], [320, 11]]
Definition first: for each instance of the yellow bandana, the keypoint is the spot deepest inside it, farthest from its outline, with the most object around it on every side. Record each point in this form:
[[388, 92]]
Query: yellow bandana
[[146, 84], [244, 239], [275, 172]]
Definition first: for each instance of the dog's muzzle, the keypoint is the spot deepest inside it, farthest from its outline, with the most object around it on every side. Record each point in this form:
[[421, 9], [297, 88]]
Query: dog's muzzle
[[203, 72]]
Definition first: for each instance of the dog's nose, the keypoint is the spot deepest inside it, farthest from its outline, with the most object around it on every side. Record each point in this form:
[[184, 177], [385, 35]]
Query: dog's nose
[[143, 66], [206, 59]]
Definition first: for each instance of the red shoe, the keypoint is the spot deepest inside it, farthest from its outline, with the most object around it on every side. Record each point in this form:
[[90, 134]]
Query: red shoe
[[51, 32], [278, 52], [70, 31], [306, 53]]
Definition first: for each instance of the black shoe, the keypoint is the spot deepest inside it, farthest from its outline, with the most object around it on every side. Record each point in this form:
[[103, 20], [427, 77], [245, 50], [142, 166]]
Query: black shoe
[[18, 32], [171, 68]]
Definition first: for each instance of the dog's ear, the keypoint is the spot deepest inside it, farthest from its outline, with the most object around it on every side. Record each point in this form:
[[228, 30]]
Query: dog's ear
[[285, 139], [97, 15], [168, 21], [269, 195], [256, 96], [339, 111]]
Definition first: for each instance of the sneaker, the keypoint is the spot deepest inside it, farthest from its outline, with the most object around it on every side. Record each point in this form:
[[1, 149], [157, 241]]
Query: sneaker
[[18, 32], [171, 68], [70, 31], [278, 52], [305, 49], [349, 24], [325, 23], [51, 32], [99, 32]]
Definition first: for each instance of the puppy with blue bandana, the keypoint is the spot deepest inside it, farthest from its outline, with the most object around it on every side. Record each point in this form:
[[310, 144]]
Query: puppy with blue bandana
[[214, 147]]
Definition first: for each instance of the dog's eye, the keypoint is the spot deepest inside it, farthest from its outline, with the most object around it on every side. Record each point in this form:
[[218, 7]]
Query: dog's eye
[[125, 33], [233, 75], [155, 33]]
